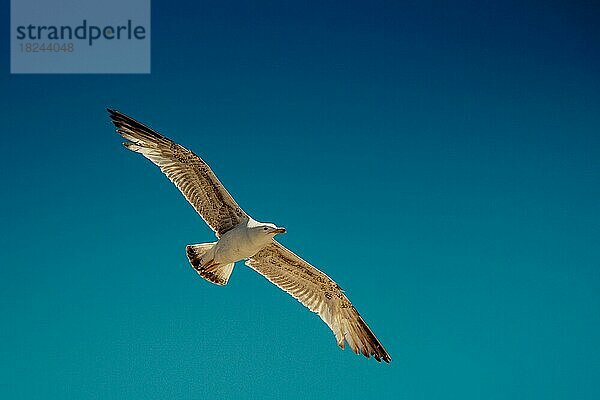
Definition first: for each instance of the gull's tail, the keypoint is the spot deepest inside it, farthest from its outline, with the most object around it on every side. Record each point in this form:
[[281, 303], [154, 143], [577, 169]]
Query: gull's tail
[[202, 259]]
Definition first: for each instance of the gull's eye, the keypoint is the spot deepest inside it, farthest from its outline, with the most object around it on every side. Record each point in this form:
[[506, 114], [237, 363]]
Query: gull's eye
[[265, 228]]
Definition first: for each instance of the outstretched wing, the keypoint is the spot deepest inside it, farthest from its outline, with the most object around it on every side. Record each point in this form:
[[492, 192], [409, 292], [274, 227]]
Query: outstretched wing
[[192, 176], [321, 295]]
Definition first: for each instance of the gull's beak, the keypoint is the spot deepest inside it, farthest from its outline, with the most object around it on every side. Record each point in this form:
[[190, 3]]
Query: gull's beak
[[278, 230]]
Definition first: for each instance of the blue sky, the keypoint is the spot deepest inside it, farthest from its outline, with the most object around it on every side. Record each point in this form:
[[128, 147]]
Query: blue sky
[[439, 162]]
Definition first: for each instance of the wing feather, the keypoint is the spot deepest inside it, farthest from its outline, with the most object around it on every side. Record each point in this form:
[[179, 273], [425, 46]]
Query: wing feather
[[321, 295], [192, 176]]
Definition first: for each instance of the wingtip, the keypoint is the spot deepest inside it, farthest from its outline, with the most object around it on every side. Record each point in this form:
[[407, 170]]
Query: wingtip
[[114, 115], [379, 358], [117, 116], [383, 357], [133, 127]]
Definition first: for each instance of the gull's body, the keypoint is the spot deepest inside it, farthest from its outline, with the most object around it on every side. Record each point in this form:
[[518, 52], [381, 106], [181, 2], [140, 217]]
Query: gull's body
[[240, 237], [240, 243]]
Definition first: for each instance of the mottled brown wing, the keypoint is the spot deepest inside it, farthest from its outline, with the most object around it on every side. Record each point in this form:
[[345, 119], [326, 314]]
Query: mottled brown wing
[[321, 295], [192, 176]]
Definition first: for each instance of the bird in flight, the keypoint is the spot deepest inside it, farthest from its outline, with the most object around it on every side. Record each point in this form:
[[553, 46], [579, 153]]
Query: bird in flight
[[240, 237]]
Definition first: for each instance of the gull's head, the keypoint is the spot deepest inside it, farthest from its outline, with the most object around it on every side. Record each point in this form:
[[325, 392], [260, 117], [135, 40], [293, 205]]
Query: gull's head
[[268, 229], [262, 232]]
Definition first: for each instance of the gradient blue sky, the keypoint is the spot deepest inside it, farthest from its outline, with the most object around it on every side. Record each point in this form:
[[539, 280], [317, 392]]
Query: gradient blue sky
[[439, 161]]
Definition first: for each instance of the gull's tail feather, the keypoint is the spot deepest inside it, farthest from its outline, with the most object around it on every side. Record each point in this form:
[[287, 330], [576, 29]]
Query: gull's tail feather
[[201, 258]]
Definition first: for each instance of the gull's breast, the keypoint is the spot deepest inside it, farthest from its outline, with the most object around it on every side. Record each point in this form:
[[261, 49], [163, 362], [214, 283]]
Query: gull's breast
[[235, 245]]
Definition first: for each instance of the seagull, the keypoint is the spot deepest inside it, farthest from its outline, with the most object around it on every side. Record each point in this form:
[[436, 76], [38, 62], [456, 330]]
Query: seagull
[[240, 237]]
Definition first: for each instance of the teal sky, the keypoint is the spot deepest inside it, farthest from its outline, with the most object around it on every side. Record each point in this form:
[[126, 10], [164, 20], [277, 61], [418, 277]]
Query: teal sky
[[439, 162]]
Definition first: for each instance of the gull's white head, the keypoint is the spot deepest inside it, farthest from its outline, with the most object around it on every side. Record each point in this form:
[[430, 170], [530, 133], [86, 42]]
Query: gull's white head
[[264, 230], [269, 229]]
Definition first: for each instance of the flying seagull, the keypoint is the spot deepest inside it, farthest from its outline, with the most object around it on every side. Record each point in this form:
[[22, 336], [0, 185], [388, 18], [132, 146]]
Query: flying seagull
[[240, 237]]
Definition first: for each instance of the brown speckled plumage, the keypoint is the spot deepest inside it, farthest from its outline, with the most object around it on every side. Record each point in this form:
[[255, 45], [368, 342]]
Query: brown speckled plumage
[[282, 267]]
